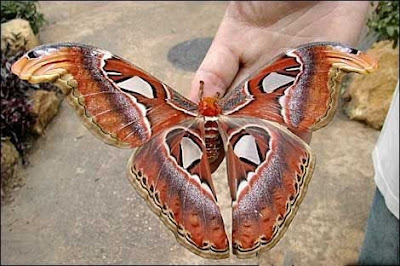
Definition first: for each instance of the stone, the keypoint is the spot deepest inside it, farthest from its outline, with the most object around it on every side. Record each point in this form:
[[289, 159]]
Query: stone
[[368, 97], [45, 106], [18, 35], [9, 159]]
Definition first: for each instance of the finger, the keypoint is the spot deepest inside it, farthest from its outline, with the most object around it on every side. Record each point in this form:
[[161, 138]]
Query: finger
[[217, 70], [253, 64], [243, 74]]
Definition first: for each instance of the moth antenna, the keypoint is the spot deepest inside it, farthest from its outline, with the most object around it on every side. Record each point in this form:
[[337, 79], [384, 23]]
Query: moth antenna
[[201, 89]]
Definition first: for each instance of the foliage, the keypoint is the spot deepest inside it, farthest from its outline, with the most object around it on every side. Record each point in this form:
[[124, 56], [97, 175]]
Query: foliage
[[22, 9], [385, 21], [16, 117]]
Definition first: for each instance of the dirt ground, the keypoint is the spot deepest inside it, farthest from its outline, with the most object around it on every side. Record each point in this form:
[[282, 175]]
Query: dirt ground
[[77, 206]]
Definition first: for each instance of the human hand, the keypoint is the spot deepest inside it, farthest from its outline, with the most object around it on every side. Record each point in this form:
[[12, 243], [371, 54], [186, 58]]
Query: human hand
[[252, 33]]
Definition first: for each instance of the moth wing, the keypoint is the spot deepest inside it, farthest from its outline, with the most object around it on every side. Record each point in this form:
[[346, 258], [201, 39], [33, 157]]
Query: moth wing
[[298, 89], [117, 101], [269, 169], [172, 173]]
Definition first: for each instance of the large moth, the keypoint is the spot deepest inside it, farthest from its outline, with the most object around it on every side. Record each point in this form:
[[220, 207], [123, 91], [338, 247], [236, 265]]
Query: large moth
[[257, 126]]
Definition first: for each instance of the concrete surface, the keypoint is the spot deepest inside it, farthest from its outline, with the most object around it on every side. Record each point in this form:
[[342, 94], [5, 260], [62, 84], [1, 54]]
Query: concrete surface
[[188, 55], [77, 206]]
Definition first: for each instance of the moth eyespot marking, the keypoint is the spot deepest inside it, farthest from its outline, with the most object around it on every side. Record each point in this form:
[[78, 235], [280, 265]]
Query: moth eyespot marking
[[137, 85], [275, 81], [151, 188], [139, 173], [298, 177], [246, 148], [291, 198], [191, 152], [302, 168]]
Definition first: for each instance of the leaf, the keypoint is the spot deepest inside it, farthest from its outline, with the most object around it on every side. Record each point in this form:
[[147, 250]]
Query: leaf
[[22, 9], [391, 30], [16, 118], [385, 21]]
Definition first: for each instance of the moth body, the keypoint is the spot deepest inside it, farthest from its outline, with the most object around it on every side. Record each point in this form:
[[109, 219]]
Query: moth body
[[181, 143], [209, 108]]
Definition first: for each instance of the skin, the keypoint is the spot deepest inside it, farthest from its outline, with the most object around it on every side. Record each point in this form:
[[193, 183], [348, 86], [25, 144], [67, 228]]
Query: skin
[[252, 33]]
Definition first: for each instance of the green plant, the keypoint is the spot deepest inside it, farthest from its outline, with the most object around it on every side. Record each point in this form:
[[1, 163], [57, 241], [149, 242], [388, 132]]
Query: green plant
[[385, 21], [22, 9], [16, 117]]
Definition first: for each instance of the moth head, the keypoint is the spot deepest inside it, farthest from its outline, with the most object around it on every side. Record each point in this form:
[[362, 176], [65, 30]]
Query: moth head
[[44, 63], [208, 106], [350, 59]]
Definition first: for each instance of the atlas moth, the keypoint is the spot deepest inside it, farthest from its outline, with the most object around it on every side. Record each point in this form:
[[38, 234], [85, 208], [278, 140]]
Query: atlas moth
[[258, 126]]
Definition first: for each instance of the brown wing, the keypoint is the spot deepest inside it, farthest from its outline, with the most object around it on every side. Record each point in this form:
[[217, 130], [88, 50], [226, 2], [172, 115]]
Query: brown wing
[[119, 102], [298, 89], [269, 169], [171, 172]]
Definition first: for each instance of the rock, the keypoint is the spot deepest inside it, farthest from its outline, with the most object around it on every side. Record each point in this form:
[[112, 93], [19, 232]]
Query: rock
[[45, 106], [9, 158], [18, 35], [369, 96]]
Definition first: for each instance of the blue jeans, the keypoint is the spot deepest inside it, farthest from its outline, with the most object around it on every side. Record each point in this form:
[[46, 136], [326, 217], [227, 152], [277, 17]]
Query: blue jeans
[[381, 242]]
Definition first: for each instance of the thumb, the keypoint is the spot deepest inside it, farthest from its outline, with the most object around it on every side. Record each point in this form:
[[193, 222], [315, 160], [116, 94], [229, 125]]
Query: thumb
[[217, 70]]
